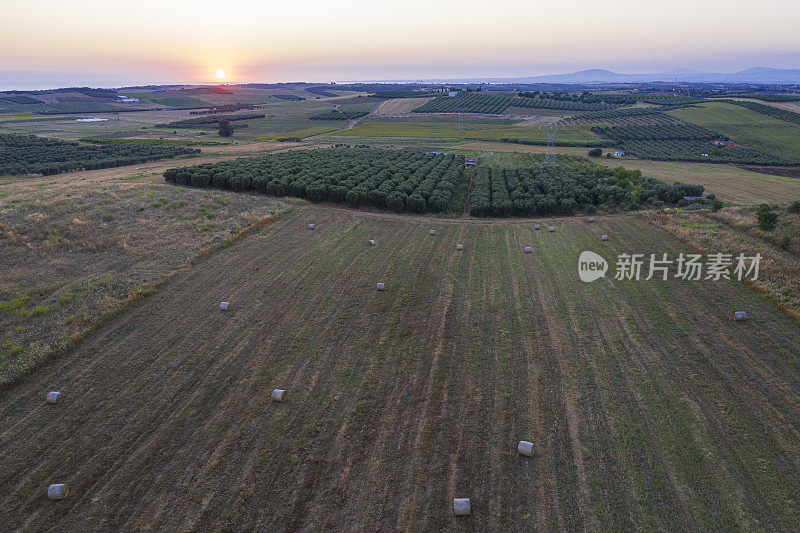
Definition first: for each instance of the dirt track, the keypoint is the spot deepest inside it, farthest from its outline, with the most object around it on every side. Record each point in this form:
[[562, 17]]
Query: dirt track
[[648, 407]]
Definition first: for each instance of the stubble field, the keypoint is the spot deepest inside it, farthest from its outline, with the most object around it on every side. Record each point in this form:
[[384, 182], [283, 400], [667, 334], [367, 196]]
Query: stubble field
[[648, 407]]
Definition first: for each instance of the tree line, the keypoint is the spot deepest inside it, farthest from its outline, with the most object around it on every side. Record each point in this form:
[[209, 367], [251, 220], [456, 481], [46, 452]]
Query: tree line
[[28, 154]]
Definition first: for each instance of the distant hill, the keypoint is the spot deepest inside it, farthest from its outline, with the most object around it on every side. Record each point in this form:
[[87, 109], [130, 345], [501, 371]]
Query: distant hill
[[759, 75]]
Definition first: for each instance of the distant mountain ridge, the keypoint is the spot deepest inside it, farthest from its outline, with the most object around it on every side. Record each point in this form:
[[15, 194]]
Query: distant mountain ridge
[[760, 75]]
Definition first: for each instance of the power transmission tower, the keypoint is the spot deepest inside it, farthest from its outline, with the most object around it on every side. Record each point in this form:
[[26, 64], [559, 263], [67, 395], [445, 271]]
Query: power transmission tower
[[550, 153]]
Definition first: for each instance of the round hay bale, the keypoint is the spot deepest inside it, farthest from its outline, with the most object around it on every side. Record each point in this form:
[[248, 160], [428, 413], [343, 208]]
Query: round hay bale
[[604, 238], [525, 448], [459, 246], [58, 491], [739, 316], [371, 242], [224, 306], [537, 226], [381, 286], [54, 397], [528, 249], [278, 395], [551, 229], [461, 506], [432, 232], [311, 226]]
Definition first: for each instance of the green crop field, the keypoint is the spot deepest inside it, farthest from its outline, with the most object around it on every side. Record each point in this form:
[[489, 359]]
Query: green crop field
[[745, 127], [471, 130]]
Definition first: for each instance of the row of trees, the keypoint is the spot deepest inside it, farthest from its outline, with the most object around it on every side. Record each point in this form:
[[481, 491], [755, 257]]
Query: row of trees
[[768, 110], [671, 150], [684, 142], [568, 189], [586, 97], [788, 97], [679, 132], [335, 114], [496, 104], [403, 94], [29, 154], [611, 114], [229, 108], [396, 180], [206, 121]]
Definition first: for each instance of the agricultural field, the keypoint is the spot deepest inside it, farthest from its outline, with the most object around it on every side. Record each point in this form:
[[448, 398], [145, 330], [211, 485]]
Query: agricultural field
[[729, 182], [568, 188], [29, 154], [396, 180], [490, 130], [686, 143], [495, 104], [432, 183], [335, 114], [397, 106], [648, 407], [75, 247], [746, 127]]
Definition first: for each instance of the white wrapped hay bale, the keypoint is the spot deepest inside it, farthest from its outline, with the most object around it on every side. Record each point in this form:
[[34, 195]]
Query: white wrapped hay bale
[[278, 395], [537, 226], [381, 286], [311, 226], [461, 506], [551, 229], [54, 397], [58, 491], [459, 246], [224, 306], [604, 238], [525, 448], [432, 232], [739, 316], [371, 242], [527, 249]]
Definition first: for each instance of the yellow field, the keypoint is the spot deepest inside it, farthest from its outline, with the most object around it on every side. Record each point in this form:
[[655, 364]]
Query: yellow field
[[305, 132]]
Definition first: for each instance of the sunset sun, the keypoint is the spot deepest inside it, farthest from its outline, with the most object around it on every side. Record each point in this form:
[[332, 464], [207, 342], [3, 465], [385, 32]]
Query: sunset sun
[[220, 74]]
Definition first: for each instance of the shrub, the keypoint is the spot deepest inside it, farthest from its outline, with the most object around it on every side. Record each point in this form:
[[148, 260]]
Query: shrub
[[767, 219], [596, 152], [795, 207], [785, 243], [225, 128], [717, 205]]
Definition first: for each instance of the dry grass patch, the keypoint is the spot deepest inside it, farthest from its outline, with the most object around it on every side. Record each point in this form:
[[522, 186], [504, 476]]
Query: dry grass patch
[[734, 231], [70, 255]]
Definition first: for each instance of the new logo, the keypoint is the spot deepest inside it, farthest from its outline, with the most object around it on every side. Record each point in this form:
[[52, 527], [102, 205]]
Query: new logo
[[591, 266]]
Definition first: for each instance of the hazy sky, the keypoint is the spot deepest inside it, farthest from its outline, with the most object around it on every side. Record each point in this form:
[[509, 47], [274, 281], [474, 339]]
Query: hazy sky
[[117, 42]]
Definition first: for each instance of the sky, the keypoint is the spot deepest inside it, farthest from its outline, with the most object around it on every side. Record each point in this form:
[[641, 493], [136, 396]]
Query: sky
[[103, 43]]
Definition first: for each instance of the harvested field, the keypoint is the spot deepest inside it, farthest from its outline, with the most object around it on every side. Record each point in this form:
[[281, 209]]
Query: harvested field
[[776, 171], [397, 106], [729, 182], [73, 249], [648, 407]]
